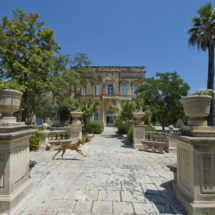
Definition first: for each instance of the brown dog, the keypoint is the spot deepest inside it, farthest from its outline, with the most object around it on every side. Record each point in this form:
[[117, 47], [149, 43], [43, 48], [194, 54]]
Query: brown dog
[[73, 146]]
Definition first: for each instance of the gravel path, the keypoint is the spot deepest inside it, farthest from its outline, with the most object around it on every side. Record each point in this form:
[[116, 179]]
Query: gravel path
[[112, 179]]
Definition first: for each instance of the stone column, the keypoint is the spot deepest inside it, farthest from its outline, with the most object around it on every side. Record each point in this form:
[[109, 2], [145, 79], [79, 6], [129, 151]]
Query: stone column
[[44, 136], [138, 131], [15, 184], [171, 143], [76, 127], [195, 186]]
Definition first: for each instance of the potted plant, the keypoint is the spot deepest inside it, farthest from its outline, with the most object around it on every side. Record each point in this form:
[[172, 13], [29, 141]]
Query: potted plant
[[75, 115], [56, 136], [10, 100], [66, 136], [197, 106]]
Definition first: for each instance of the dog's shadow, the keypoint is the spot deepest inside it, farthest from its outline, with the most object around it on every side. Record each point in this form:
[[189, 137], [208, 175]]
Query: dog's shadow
[[66, 159]]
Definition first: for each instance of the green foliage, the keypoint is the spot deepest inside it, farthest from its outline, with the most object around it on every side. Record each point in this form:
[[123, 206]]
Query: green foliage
[[66, 136], [96, 127], [130, 135], [84, 137], [88, 110], [162, 96], [51, 136], [56, 136], [208, 213], [206, 92], [61, 136], [13, 85], [34, 140], [149, 128], [125, 120]]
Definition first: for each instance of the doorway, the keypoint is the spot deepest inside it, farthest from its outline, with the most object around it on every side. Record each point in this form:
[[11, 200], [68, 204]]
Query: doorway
[[109, 121]]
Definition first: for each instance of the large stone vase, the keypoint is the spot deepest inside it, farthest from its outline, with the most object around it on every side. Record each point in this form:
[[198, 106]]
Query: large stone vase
[[76, 116], [138, 116], [10, 101], [197, 107], [76, 126]]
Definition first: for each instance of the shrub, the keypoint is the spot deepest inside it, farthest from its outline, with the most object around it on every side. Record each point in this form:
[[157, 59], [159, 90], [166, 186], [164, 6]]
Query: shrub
[[13, 85], [56, 136], [96, 127], [130, 135], [61, 136], [123, 129], [149, 128], [84, 137], [34, 140]]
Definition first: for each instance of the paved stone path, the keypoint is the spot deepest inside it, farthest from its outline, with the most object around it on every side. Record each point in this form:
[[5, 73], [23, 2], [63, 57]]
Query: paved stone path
[[112, 179]]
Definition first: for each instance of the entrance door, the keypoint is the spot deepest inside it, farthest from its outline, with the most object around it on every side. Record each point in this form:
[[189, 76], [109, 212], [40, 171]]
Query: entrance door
[[109, 121]]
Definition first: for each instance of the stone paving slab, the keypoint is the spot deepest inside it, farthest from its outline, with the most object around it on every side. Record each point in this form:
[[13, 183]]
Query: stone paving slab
[[113, 178]]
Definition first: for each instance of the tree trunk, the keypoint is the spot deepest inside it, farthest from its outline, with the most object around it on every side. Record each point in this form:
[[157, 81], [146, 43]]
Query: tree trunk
[[24, 112], [211, 118]]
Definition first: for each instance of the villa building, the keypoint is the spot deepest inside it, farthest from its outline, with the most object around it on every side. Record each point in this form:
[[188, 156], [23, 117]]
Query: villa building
[[114, 84]]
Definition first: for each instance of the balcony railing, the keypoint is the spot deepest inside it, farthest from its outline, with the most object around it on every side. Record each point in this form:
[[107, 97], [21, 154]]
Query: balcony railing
[[110, 96]]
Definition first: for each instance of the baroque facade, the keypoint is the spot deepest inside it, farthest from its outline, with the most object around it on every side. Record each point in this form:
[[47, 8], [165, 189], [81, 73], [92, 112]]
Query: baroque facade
[[113, 84]]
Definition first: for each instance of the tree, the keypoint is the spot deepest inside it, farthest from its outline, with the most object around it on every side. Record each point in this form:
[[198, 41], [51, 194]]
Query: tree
[[89, 109], [202, 34], [124, 120], [162, 96], [27, 52]]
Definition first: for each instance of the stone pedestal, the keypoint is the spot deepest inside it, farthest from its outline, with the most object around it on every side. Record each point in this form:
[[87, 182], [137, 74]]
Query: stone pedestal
[[195, 186], [138, 136], [15, 184], [76, 132], [76, 127], [44, 136]]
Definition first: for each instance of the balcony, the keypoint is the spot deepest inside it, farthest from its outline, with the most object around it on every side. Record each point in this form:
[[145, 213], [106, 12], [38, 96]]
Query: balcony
[[129, 97], [110, 96]]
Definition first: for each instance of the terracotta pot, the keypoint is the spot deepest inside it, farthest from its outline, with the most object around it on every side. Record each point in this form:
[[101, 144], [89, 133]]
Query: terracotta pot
[[10, 101], [138, 116], [75, 116], [197, 107]]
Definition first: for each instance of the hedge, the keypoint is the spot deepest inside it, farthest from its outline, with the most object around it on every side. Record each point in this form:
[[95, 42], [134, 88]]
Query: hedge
[[95, 127], [130, 135]]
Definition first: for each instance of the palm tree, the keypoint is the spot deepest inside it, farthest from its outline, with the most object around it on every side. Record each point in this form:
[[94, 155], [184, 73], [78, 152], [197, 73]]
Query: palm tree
[[202, 34], [89, 109]]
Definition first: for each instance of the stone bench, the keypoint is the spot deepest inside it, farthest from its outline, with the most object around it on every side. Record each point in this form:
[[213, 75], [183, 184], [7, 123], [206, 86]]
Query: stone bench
[[173, 168], [159, 146], [125, 138], [90, 137]]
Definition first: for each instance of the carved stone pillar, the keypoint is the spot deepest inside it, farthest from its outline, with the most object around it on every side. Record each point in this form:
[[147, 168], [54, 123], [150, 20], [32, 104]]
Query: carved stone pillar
[[138, 131], [15, 184], [195, 186], [44, 136]]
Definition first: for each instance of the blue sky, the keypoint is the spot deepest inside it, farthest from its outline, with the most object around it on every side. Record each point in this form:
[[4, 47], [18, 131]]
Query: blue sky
[[150, 33]]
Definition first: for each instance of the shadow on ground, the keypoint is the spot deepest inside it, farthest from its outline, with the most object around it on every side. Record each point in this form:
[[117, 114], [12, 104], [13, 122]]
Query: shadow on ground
[[164, 200]]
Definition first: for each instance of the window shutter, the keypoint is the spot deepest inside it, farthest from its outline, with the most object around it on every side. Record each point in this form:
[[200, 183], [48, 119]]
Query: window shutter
[[98, 115], [97, 89], [123, 89], [92, 118]]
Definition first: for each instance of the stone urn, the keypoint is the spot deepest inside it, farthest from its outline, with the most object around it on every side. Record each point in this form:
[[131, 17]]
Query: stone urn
[[10, 101], [75, 116], [138, 116], [45, 126], [197, 107]]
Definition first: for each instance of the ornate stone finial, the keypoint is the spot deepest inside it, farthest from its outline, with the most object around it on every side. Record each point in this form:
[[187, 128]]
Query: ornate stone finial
[[45, 126], [138, 116], [171, 127]]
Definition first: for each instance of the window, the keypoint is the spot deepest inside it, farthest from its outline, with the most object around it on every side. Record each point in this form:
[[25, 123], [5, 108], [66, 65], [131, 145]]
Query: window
[[135, 88], [110, 89], [123, 90], [84, 90], [96, 116], [96, 90]]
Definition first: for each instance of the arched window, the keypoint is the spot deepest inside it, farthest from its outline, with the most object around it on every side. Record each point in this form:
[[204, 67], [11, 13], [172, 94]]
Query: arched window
[[110, 89]]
